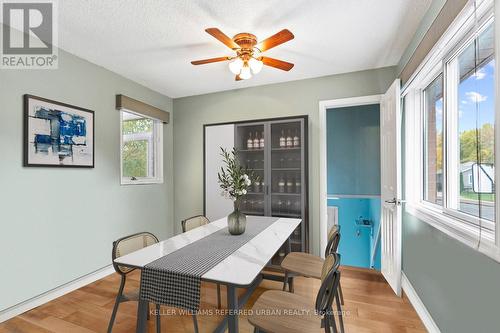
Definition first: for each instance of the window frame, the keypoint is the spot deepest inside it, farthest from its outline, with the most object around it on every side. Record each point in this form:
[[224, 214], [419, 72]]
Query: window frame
[[435, 73], [157, 153], [452, 125], [459, 225]]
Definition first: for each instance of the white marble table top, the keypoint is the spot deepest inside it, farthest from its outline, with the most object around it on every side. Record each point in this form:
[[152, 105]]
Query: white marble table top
[[240, 268]]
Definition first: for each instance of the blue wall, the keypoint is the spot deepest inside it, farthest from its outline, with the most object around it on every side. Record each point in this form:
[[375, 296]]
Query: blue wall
[[353, 151], [353, 161], [356, 241]]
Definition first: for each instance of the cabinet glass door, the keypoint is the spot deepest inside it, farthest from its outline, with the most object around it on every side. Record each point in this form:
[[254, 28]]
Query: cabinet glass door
[[287, 174], [250, 142]]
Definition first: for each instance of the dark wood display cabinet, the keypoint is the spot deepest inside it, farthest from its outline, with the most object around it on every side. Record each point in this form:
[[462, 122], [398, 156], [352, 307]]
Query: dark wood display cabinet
[[275, 150]]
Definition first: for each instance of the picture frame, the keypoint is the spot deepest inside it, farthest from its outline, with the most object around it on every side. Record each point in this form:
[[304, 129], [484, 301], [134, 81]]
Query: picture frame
[[57, 134]]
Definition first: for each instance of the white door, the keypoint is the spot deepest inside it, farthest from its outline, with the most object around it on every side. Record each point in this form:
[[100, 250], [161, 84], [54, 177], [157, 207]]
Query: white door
[[390, 156]]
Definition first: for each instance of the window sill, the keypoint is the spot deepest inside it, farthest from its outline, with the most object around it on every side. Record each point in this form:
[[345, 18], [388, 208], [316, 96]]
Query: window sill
[[141, 181], [457, 229]]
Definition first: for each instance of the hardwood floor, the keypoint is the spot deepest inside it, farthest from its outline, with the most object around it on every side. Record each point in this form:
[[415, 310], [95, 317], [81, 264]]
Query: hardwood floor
[[370, 306]]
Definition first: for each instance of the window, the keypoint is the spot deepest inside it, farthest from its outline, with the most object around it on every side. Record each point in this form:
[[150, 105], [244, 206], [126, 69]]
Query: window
[[471, 132], [141, 141], [433, 141], [450, 113]]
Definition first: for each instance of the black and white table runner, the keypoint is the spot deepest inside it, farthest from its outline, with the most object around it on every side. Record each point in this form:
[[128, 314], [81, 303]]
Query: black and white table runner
[[175, 279]]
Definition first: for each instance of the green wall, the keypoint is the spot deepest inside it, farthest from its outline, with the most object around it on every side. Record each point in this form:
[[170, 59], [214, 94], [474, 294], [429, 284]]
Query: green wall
[[277, 100], [43, 246], [458, 285]]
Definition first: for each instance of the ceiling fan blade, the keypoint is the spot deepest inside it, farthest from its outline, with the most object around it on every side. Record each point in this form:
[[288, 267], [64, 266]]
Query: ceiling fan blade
[[281, 37], [280, 64], [208, 61], [222, 38], [238, 78]]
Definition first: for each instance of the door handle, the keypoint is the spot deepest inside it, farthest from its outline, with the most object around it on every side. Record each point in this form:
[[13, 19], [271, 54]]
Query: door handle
[[395, 201]]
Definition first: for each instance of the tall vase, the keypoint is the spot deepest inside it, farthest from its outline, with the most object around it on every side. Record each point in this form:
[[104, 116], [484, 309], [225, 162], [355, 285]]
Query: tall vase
[[236, 221]]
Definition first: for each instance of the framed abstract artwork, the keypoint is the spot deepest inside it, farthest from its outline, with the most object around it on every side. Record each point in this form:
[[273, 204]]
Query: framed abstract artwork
[[57, 134]]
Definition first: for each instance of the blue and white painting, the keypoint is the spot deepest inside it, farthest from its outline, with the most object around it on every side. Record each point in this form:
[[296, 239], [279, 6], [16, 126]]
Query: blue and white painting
[[58, 134]]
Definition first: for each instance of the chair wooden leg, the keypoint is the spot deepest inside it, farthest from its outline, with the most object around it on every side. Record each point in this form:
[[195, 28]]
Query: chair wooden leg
[[195, 323], [290, 284], [117, 303], [148, 316], [285, 280], [341, 294], [339, 311], [329, 323], [219, 305], [158, 319]]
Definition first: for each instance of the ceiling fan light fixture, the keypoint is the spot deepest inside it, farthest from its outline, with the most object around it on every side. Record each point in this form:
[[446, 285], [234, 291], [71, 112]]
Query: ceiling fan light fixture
[[236, 65], [247, 59], [245, 72], [255, 65]]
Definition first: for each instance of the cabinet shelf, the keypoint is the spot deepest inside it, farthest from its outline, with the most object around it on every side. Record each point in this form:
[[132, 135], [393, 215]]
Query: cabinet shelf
[[284, 193], [251, 150], [286, 169], [286, 149]]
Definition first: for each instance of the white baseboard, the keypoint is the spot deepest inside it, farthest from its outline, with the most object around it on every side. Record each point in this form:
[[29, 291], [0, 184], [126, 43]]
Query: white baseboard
[[420, 308], [55, 293]]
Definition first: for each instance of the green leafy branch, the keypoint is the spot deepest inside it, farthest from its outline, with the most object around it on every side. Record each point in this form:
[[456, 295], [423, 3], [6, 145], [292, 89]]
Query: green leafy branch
[[234, 179]]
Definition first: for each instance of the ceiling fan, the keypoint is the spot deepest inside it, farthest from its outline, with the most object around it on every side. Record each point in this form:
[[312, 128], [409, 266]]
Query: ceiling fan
[[248, 58]]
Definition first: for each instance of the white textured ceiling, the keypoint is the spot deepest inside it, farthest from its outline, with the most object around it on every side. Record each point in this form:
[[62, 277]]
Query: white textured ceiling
[[152, 41]]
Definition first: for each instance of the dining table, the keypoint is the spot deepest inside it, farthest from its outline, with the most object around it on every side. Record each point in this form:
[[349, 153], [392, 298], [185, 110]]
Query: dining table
[[240, 265]]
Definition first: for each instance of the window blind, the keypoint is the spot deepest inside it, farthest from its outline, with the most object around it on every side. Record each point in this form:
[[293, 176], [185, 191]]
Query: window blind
[[126, 103]]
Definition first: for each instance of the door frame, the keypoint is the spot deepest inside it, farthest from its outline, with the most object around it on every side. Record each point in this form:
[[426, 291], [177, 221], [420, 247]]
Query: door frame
[[323, 172]]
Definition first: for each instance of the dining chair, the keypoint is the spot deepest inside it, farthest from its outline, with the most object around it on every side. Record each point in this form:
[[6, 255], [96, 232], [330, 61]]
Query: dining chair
[[283, 312], [121, 247], [309, 265], [195, 222]]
